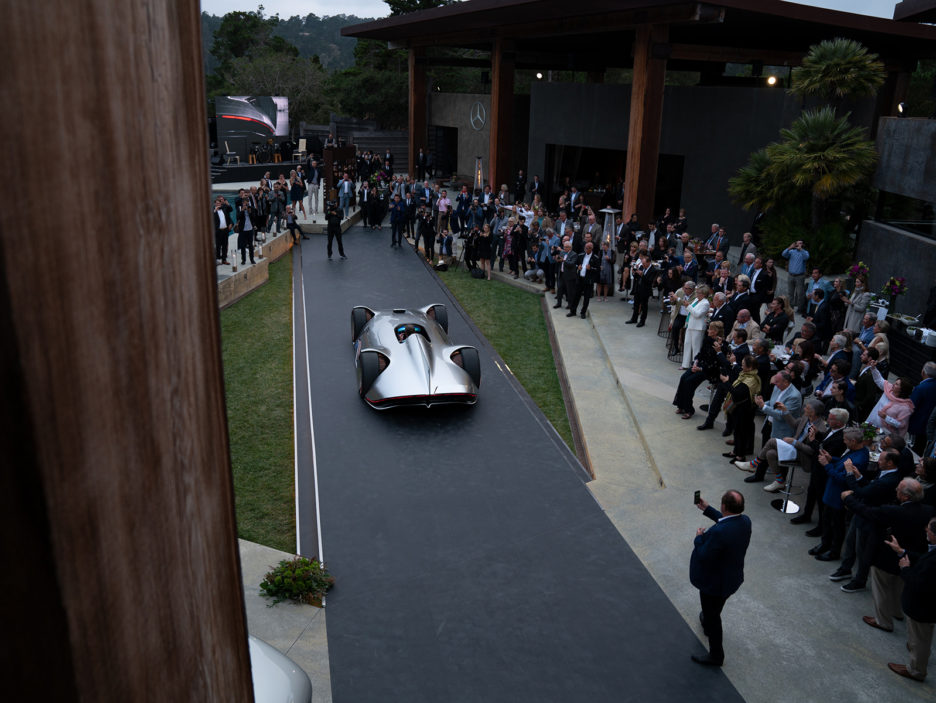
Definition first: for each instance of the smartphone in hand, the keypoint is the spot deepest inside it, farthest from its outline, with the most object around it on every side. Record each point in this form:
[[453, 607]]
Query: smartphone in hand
[[697, 498]]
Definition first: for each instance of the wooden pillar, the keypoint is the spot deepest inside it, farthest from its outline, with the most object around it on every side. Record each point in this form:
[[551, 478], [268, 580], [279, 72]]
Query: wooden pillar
[[418, 136], [117, 538], [502, 100], [646, 116]]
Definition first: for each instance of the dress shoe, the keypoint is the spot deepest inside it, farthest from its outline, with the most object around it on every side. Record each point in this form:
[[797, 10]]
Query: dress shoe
[[818, 549], [814, 532], [827, 556], [688, 415], [853, 586], [557, 306], [705, 425], [726, 432], [800, 520], [731, 455], [704, 408], [729, 442], [582, 315], [868, 620], [706, 660], [840, 574], [641, 324], [752, 479], [902, 670], [571, 313], [631, 322]]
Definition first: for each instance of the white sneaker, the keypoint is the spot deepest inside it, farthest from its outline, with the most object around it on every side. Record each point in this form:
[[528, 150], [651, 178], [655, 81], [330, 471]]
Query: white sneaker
[[744, 465], [774, 487]]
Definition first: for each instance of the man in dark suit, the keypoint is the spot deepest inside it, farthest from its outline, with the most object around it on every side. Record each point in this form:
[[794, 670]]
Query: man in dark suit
[[223, 222], [588, 267], [907, 522], [422, 160], [862, 537], [567, 283], [716, 567], [834, 443], [722, 312], [742, 300], [818, 313], [645, 274], [759, 285], [519, 187], [918, 571]]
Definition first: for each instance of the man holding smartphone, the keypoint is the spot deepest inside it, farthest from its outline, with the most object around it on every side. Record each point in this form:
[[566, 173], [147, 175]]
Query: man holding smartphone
[[716, 567]]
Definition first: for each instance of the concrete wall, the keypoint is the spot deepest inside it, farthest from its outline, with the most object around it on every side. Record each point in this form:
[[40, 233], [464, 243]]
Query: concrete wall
[[907, 166], [453, 110], [714, 128], [890, 251]]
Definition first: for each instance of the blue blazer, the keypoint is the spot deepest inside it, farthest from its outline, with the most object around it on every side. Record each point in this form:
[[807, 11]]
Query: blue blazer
[[924, 400], [717, 564]]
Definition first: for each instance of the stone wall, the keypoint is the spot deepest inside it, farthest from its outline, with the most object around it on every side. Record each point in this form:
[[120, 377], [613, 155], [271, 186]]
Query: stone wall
[[890, 251]]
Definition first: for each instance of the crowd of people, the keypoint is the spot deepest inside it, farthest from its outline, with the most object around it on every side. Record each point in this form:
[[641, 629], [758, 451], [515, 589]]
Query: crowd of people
[[812, 365]]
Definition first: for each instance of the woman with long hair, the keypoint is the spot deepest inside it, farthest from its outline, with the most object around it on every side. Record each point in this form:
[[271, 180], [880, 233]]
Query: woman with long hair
[[485, 247], [857, 304]]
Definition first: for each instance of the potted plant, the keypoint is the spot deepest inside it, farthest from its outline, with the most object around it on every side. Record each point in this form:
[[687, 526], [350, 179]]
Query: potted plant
[[896, 285], [300, 580]]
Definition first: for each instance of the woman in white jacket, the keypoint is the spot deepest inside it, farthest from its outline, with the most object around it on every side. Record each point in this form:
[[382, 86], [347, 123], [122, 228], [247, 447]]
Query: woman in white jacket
[[696, 324], [857, 304]]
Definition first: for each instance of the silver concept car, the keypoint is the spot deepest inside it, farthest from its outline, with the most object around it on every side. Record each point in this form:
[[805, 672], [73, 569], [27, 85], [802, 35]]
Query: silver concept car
[[404, 357]]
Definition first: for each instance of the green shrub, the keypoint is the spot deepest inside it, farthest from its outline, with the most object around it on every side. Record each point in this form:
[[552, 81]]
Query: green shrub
[[301, 580], [830, 246]]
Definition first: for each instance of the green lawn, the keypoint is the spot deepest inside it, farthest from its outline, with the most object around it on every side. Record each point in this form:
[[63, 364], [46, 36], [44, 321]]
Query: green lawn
[[256, 342], [512, 320]]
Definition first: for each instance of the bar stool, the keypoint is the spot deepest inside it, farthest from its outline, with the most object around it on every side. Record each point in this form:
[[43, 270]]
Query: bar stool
[[663, 329], [785, 505]]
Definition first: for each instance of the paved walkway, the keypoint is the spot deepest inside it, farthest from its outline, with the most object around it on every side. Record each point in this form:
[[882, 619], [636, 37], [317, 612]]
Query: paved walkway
[[790, 633]]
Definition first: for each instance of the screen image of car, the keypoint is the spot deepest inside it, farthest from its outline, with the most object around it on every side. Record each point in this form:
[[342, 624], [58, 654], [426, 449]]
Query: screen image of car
[[404, 358]]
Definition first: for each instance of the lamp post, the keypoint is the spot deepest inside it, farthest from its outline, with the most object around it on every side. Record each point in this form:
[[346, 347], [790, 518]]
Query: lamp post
[[478, 175], [607, 233]]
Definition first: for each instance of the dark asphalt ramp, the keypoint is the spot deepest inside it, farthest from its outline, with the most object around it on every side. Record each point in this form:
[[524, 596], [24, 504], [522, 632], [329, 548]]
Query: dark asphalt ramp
[[472, 563]]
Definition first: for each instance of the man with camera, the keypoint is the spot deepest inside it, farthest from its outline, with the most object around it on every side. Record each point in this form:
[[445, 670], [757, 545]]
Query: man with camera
[[333, 217], [246, 217]]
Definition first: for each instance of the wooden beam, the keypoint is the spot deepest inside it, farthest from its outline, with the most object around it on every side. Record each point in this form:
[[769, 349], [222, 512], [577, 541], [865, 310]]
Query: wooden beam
[[725, 54], [502, 87], [418, 124], [120, 560], [646, 116]]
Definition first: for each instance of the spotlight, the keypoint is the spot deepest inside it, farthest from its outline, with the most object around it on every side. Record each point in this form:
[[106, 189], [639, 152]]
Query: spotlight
[[539, 75], [771, 80]]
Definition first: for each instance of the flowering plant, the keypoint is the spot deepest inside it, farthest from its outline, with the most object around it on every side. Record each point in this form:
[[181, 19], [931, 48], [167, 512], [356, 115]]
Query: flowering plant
[[859, 269], [868, 432], [895, 286]]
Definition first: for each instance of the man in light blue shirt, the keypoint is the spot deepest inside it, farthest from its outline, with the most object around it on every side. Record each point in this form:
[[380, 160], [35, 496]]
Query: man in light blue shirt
[[816, 281], [797, 256]]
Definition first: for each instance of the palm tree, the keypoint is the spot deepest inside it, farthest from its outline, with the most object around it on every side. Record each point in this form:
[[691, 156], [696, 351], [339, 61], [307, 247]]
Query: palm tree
[[753, 188], [822, 154], [836, 69]]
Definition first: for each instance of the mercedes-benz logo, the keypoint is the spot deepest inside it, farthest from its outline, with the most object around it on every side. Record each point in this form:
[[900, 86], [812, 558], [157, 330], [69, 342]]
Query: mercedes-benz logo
[[478, 116]]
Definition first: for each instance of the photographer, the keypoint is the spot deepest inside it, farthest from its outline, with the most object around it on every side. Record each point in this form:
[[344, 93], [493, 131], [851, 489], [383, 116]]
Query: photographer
[[426, 231], [246, 216], [292, 224], [333, 214]]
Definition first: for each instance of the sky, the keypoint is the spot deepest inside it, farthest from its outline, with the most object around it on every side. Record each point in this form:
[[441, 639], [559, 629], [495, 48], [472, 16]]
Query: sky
[[377, 8]]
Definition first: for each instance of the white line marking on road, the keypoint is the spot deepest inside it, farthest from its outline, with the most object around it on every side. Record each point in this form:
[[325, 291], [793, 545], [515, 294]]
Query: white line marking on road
[[305, 327]]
